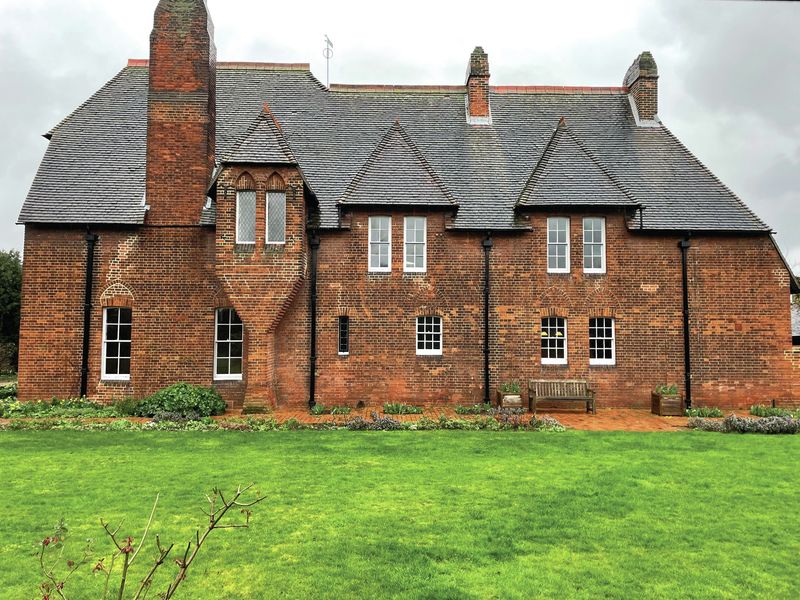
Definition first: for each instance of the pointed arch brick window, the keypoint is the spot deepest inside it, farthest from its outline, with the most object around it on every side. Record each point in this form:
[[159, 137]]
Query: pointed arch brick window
[[276, 210], [245, 209]]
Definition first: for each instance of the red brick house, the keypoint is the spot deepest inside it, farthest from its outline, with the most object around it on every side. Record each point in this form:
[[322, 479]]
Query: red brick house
[[244, 226]]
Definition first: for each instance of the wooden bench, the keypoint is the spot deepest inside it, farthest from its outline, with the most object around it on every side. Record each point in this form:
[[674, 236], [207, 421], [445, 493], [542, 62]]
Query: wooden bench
[[545, 390]]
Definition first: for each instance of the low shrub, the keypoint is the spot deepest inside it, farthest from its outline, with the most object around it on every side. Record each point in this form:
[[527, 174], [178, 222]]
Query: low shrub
[[760, 410], [475, 409], [734, 424], [252, 424], [375, 423], [704, 411], [395, 408], [8, 391], [126, 407], [546, 424], [69, 408], [183, 399], [510, 418]]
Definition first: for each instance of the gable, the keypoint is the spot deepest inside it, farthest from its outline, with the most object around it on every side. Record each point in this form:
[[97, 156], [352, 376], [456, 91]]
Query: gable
[[397, 174]]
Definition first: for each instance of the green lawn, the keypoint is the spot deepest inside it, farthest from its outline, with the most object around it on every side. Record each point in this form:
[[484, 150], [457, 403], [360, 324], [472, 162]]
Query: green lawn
[[427, 514]]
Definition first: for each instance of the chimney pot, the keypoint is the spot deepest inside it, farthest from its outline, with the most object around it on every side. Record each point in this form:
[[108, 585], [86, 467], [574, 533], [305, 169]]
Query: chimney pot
[[641, 80]]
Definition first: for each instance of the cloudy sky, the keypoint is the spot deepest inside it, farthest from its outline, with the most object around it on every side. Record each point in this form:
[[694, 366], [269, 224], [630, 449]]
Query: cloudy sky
[[729, 86]]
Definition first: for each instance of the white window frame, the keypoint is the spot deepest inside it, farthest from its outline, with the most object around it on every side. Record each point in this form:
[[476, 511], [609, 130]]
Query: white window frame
[[226, 376], [602, 242], [423, 351], [407, 244], [604, 361], [340, 319], [110, 376], [549, 244], [372, 269], [238, 214], [267, 241], [555, 361]]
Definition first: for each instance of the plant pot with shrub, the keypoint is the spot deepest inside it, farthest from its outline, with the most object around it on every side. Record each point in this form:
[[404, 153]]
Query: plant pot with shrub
[[666, 401], [509, 395]]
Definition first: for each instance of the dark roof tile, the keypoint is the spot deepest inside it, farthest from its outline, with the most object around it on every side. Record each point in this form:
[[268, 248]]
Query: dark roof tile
[[396, 173], [94, 167]]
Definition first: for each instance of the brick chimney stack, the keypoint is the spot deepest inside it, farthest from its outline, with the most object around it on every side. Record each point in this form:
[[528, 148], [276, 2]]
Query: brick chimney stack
[[642, 81], [181, 112], [478, 109]]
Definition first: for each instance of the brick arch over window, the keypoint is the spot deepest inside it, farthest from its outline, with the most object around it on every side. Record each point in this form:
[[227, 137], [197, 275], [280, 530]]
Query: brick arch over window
[[245, 183], [430, 310], [556, 300], [117, 295], [275, 183]]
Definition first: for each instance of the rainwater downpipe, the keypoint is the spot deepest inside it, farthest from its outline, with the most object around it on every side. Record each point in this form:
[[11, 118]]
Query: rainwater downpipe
[[687, 358], [487, 248], [91, 242], [312, 375]]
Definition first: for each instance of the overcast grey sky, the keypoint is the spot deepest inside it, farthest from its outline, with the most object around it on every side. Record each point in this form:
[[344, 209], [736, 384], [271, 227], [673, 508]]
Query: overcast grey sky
[[729, 86]]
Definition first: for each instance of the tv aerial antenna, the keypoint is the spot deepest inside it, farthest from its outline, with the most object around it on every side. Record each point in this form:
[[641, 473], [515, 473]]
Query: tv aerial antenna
[[328, 54]]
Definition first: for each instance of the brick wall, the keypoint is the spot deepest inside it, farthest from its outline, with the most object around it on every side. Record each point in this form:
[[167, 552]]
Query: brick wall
[[261, 280], [174, 278], [166, 275]]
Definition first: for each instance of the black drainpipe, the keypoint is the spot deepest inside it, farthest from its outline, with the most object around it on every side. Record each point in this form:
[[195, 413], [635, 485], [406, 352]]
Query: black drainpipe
[[91, 240], [312, 376], [487, 247], [687, 359]]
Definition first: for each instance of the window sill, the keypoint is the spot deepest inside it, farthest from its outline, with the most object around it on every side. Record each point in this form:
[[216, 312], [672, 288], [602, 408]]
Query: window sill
[[229, 378], [344, 354], [429, 354], [558, 272], [106, 379], [244, 248], [554, 364], [595, 365]]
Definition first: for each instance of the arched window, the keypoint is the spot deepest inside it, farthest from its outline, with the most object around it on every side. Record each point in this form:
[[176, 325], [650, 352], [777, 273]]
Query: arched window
[[276, 210], [245, 209]]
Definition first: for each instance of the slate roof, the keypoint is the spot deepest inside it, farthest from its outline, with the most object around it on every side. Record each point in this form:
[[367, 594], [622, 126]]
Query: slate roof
[[263, 143], [94, 168], [397, 173], [569, 174]]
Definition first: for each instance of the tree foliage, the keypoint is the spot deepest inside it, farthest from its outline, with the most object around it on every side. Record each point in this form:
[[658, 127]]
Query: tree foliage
[[10, 295]]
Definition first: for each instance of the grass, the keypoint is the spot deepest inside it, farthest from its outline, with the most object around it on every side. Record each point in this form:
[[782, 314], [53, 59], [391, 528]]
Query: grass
[[428, 515]]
